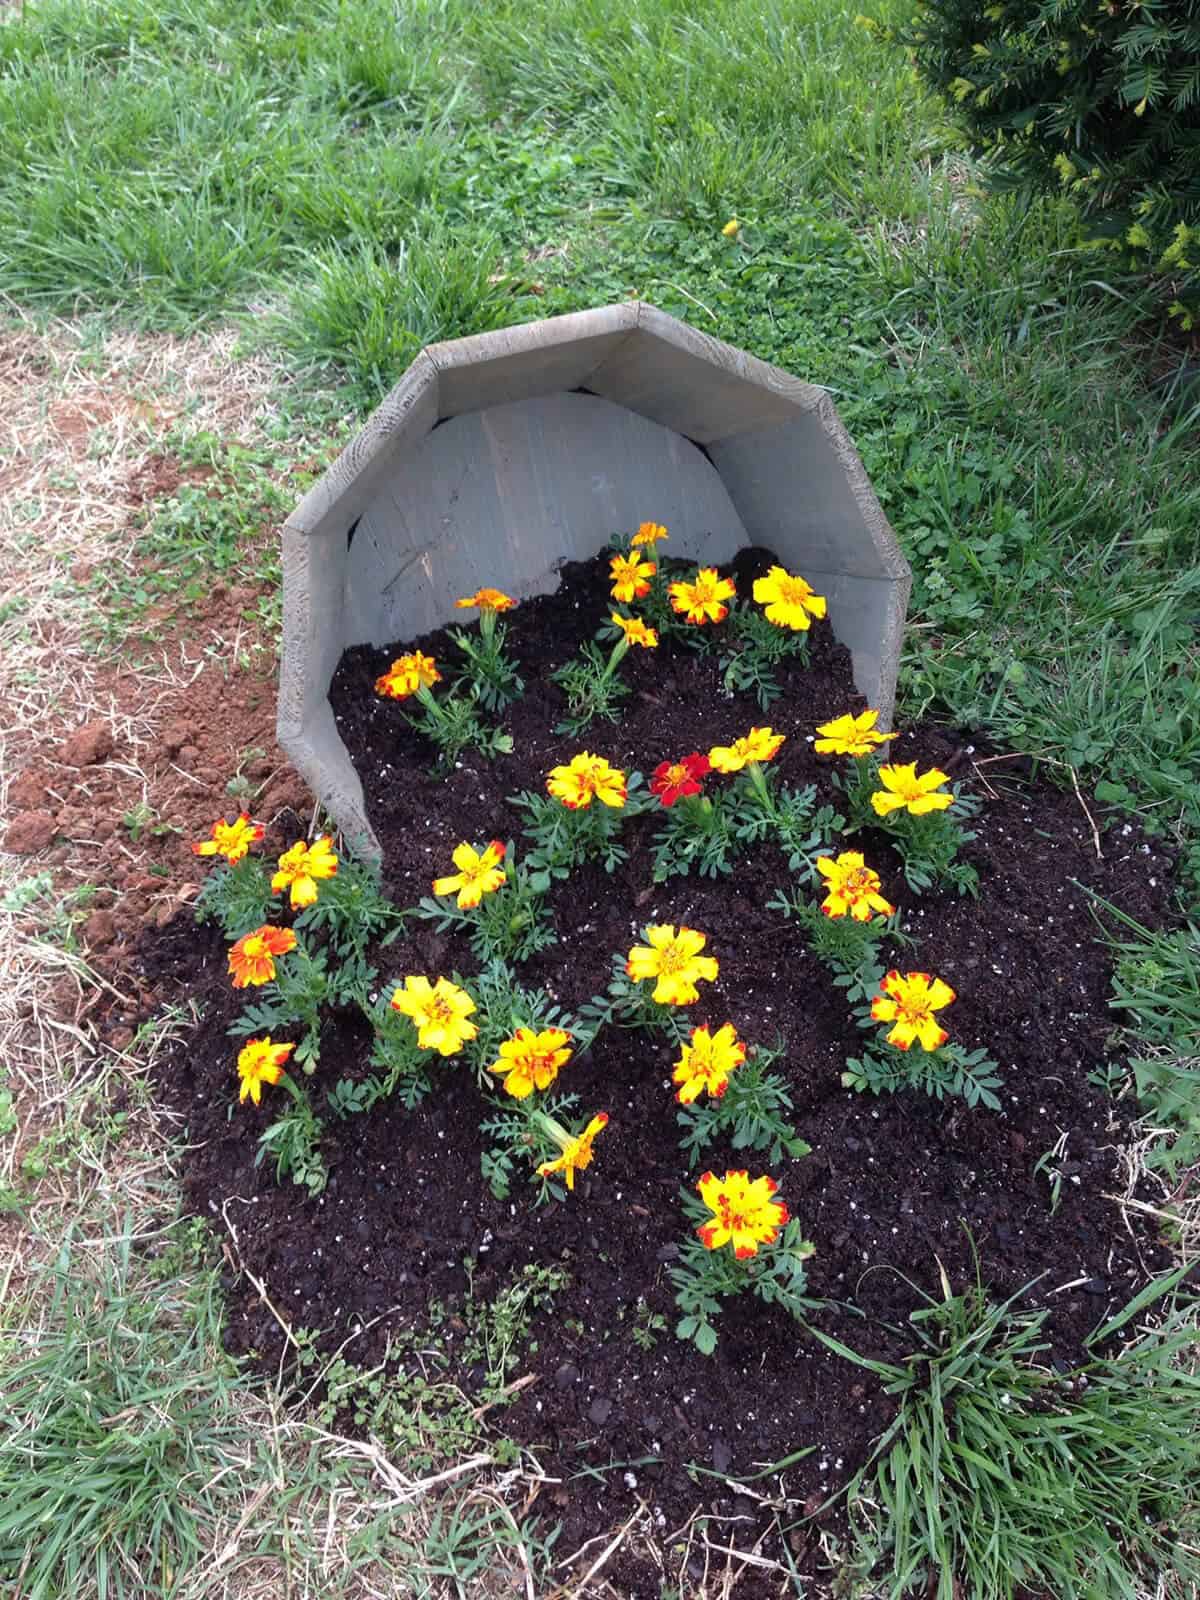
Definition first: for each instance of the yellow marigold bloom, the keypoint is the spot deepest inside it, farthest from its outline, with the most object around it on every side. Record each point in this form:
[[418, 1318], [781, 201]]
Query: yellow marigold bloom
[[576, 1152], [649, 533], [486, 600], [230, 839], [760, 744], [530, 1061], [585, 778], [910, 1002], [636, 631], [478, 874], [406, 675], [259, 1061], [744, 1213], [902, 788], [703, 599], [853, 887], [705, 1063], [850, 736], [252, 957], [674, 961], [302, 866], [789, 601], [631, 577], [732, 228], [438, 1011]]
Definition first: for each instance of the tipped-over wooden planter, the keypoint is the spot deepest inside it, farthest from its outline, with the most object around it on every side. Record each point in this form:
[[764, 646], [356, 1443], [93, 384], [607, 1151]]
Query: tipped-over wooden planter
[[497, 457]]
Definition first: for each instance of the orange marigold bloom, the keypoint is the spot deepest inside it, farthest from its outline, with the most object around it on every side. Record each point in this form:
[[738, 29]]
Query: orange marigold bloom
[[706, 1063], [586, 778], [438, 1011], [576, 1151], [744, 1212], [910, 1002], [406, 675], [302, 866], [674, 780], [674, 961], [631, 577], [486, 600], [478, 874], [252, 957], [636, 631], [853, 887], [760, 744], [530, 1061], [904, 789], [788, 600], [230, 839], [649, 533], [259, 1061], [851, 736], [703, 599]]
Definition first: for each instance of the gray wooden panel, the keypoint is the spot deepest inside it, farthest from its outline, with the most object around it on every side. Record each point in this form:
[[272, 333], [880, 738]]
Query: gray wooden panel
[[867, 616]]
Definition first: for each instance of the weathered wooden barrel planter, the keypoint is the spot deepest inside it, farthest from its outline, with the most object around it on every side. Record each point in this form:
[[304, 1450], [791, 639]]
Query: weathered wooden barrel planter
[[500, 456]]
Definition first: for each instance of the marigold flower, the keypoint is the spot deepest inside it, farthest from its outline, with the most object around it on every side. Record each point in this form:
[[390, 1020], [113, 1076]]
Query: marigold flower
[[584, 778], [903, 788], [732, 228], [851, 736], [485, 600], [576, 1151], [789, 601], [302, 866], [259, 1061], [674, 961], [530, 1061], [910, 1002], [705, 1063], [636, 631], [648, 534], [760, 744], [853, 887], [478, 874], [230, 839], [703, 599], [631, 577], [438, 1011], [674, 779], [406, 675], [252, 957], [744, 1214]]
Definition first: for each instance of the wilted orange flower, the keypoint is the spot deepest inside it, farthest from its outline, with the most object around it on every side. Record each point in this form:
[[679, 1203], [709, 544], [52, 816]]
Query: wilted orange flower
[[648, 534], [760, 744], [705, 1063], [744, 1213], [439, 1011], [302, 866], [631, 577], [584, 778], [851, 736], [703, 599], [259, 1061], [252, 957], [789, 601], [406, 675], [486, 600], [910, 1002], [674, 961], [478, 874], [853, 887], [903, 788], [576, 1150], [530, 1061], [636, 631], [230, 839]]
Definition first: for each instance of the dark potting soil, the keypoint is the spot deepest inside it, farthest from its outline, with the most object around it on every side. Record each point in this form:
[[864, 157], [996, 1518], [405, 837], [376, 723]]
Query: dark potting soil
[[896, 1189]]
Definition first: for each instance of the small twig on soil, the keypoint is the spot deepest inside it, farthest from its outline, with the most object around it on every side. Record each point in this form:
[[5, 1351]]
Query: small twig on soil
[[259, 1287], [605, 1555], [1051, 761], [505, 1395]]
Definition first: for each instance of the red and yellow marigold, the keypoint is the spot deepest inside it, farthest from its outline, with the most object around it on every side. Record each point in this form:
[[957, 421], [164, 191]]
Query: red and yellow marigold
[[407, 674], [485, 600], [853, 887], [438, 1011], [703, 599], [759, 745], [905, 789], [479, 873], [302, 867], [576, 1149], [530, 1061], [259, 1061], [648, 535], [672, 780], [745, 1214], [636, 631], [706, 1062], [850, 735], [788, 600], [909, 1002], [230, 839], [586, 778], [631, 577], [252, 957], [674, 961]]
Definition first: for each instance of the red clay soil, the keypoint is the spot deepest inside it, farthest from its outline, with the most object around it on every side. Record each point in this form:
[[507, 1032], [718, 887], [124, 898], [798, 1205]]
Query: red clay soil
[[895, 1188]]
